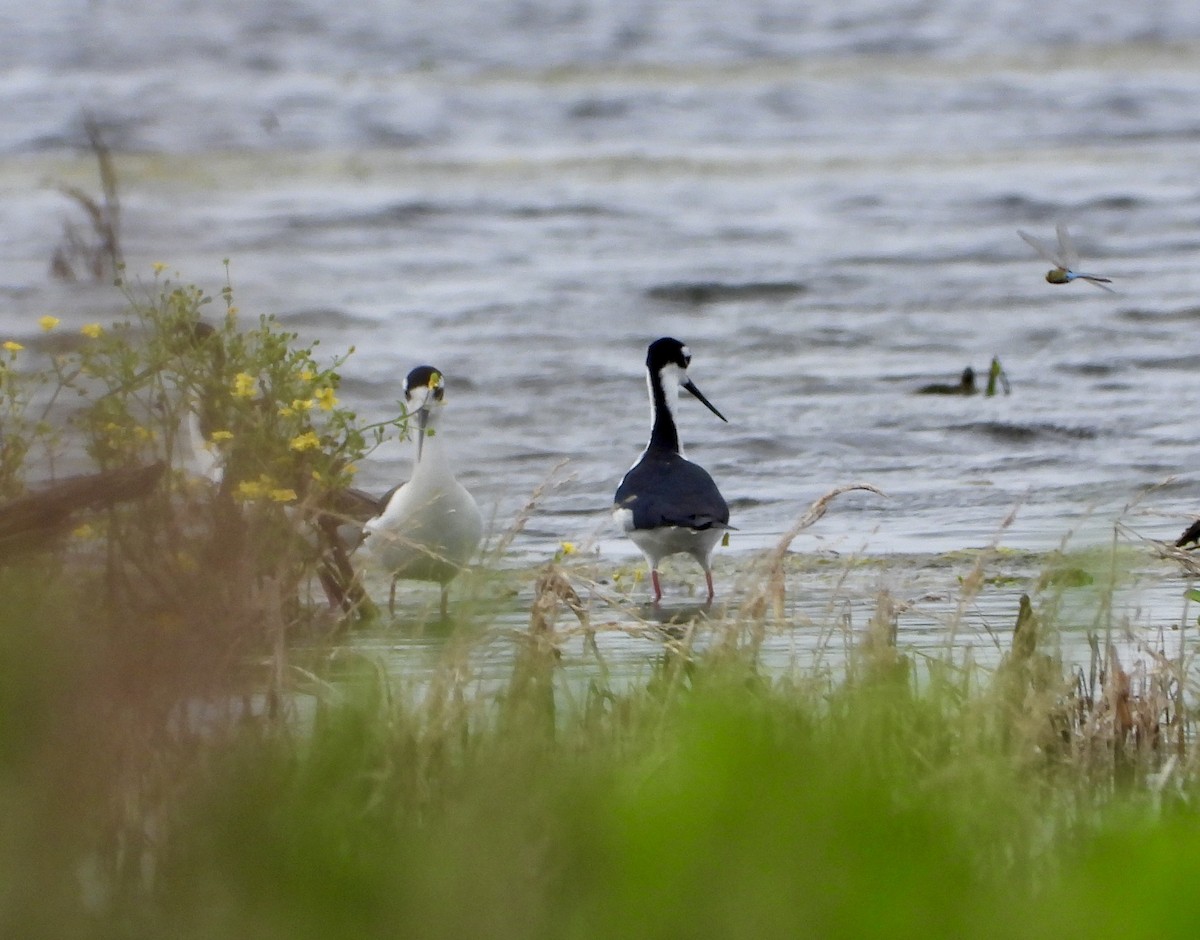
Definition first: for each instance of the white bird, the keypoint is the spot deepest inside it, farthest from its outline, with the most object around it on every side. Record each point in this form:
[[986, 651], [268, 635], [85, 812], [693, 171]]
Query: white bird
[[195, 453], [666, 504], [431, 525]]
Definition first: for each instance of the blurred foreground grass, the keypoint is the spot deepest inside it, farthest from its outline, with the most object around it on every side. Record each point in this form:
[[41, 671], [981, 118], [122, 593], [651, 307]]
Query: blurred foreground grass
[[711, 799]]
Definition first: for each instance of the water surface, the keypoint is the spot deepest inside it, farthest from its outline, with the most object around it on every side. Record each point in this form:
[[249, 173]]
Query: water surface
[[821, 202]]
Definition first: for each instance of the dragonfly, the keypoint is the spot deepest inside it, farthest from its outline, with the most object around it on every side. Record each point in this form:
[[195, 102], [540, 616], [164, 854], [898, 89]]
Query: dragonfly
[[1064, 259]]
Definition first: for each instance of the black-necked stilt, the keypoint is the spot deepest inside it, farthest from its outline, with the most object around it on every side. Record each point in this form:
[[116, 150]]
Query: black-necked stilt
[[1191, 536], [431, 525], [667, 504]]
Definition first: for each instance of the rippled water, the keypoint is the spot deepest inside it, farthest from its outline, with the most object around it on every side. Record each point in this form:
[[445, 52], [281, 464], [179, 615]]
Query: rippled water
[[821, 200]]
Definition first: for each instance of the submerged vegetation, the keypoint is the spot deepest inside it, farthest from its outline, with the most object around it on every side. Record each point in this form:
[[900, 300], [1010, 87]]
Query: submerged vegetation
[[190, 746]]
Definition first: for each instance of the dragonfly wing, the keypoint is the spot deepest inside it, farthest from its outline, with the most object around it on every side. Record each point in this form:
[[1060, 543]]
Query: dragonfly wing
[[1048, 253], [1066, 248]]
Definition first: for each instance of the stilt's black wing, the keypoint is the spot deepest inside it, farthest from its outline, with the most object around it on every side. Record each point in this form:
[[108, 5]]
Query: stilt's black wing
[[665, 489]]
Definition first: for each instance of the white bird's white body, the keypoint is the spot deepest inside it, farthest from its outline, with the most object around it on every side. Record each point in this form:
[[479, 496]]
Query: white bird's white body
[[431, 526]]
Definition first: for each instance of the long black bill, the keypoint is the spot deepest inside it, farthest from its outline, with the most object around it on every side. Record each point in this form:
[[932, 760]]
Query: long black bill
[[691, 387], [422, 420]]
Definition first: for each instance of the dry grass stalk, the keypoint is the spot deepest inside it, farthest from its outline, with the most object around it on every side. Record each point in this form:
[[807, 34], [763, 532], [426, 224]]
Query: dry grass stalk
[[881, 660], [771, 591], [973, 581], [1187, 558], [530, 694], [526, 512]]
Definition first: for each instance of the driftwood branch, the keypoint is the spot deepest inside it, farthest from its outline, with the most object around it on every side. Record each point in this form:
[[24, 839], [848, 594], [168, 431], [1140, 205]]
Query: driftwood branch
[[35, 520]]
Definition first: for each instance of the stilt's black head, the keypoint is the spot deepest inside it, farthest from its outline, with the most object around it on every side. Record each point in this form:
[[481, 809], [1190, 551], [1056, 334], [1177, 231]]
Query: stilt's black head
[[667, 351], [668, 354]]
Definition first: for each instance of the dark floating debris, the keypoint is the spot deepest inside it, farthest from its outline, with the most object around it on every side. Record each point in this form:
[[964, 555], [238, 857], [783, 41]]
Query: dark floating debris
[[966, 384]]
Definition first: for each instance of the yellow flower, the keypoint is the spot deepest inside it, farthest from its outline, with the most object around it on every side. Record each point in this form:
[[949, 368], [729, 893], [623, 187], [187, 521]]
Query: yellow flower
[[220, 437], [301, 404], [286, 411], [326, 399], [306, 441], [12, 346], [83, 532], [92, 330], [250, 489], [244, 385], [567, 548], [282, 495], [307, 375], [48, 322], [158, 267]]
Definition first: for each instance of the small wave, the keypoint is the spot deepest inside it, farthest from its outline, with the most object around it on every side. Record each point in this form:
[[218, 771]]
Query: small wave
[[1122, 203], [1019, 206], [1022, 433], [402, 213], [1184, 363], [698, 293], [328, 318], [1095, 369], [1142, 315], [565, 210]]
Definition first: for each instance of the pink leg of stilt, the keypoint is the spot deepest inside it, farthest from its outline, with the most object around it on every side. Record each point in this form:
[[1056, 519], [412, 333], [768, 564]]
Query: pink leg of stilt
[[708, 580], [657, 586]]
